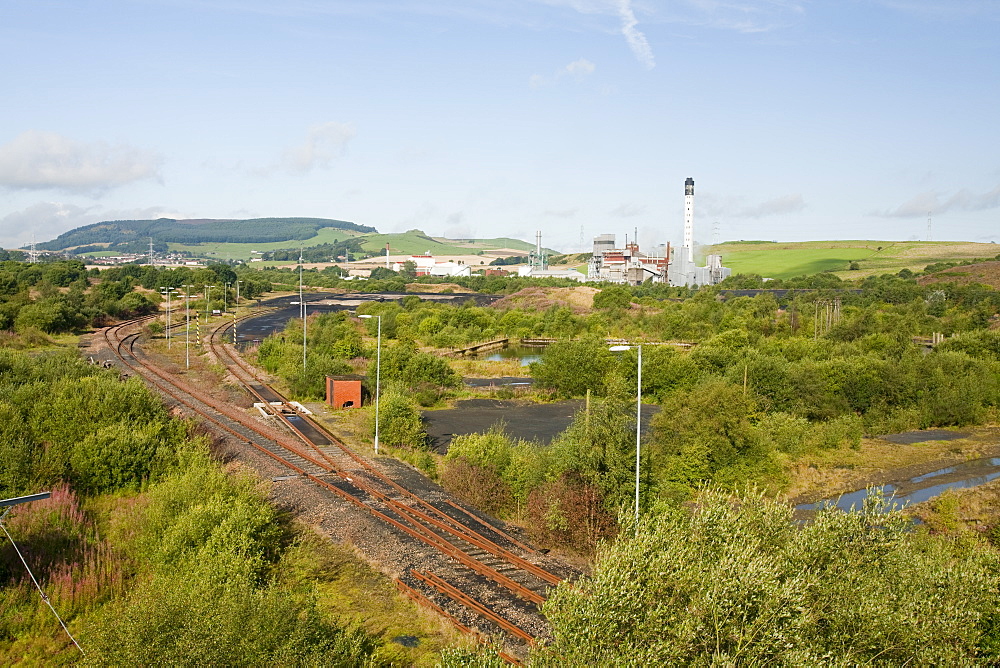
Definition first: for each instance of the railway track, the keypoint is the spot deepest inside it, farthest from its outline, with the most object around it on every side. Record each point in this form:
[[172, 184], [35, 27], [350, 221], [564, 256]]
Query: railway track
[[485, 581]]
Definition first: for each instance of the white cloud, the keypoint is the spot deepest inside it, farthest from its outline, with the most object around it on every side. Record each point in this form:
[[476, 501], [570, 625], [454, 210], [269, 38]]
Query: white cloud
[[628, 210], [580, 68], [931, 202], [560, 213], [323, 144], [624, 11], [36, 160], [737, 207], [774, 207], [636, 40], [945, 10]]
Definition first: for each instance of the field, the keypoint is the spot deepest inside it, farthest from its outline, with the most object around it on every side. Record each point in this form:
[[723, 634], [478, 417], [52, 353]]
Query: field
[[407, 243], [225, 251], [413, 243], [786, 260]]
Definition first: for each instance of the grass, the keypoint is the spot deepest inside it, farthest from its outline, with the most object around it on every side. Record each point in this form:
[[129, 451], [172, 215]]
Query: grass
[[239, 251], [787, 260], [414, 243]]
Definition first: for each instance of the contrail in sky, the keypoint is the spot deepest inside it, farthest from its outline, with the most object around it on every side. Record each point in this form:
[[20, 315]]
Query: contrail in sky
[[636, 40]]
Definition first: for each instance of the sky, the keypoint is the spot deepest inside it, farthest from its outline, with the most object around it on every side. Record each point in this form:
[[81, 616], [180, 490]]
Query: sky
[[798, 119]]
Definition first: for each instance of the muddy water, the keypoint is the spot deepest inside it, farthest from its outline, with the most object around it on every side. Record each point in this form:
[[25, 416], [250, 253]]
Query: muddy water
[[923, 487]]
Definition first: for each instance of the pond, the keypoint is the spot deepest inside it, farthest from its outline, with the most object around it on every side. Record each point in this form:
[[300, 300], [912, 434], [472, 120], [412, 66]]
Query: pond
[[923, 487], [525, 355]]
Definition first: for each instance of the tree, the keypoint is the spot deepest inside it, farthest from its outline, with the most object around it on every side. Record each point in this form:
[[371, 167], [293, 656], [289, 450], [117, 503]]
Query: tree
[[734, 581], [573, 367], [613, 296]]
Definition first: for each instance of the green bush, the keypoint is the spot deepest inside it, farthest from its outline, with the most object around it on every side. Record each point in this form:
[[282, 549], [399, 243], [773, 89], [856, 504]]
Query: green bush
[[733, 581]]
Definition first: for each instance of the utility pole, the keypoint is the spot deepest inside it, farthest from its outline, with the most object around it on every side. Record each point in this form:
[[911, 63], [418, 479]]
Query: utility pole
[[236, 311], [167, 292], [302, 312], [187, 326]]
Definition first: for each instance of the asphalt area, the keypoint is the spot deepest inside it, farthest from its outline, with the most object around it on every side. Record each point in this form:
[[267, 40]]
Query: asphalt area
[[530, 422]]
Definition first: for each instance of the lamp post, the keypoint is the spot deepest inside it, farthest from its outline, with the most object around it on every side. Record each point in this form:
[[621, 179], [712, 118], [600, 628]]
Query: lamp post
[[208, 301], [187, 326], [378, 371], [167, 292], [638, 423], [236, 311], [225, 298], [302, 312]]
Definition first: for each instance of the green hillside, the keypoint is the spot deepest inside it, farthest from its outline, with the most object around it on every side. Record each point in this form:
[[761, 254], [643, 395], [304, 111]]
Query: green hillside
[[786, 260], [135, 235], [415, 242], [243, 251]]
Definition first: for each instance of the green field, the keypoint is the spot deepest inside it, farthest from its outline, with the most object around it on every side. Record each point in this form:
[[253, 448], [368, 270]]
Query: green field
[[787, 260], [225, 251], [406, 243], [413, 243]]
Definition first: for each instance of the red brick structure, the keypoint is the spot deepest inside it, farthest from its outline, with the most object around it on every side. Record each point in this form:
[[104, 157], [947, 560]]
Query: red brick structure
[[343, 391]]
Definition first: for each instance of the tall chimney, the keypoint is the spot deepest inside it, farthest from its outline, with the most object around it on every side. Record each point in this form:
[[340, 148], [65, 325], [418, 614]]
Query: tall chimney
[[689, 218]]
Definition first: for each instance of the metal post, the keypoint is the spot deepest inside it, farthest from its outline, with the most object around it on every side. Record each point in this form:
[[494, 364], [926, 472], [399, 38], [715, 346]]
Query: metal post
[[638, 421], [236, 311], [187, 326], [638, 425], [378, 372], [302, 313]]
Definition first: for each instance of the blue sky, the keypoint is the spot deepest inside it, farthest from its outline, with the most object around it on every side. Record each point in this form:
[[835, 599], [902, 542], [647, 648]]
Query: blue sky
[[798, 119]]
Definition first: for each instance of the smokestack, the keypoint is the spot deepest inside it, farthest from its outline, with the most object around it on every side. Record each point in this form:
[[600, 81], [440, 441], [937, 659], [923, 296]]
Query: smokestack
[[689, 218]]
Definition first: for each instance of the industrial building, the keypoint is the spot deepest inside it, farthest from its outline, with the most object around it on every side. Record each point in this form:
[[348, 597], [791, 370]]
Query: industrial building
[[632, 266], [538, 265]]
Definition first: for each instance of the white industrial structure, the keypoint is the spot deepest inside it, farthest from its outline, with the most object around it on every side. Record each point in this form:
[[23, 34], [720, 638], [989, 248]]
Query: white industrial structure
[[689, 219], [538, 265], [629, 265]]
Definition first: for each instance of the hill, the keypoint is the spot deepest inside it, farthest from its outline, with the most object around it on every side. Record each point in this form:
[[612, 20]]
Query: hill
[[243, 239], [415, 242], [787, 260], [134, 235], [985, 273]]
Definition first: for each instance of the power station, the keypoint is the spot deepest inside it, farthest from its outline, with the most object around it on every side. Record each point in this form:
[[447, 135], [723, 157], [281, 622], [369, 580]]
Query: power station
[[629, 265]]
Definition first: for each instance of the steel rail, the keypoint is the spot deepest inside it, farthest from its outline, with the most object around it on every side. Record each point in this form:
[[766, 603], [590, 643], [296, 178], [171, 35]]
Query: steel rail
[[419, 598], [450, 590], [456, 528], [424, 535]]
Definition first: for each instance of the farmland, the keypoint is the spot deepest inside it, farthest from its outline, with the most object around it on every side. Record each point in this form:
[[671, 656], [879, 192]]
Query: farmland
[[786, 260]]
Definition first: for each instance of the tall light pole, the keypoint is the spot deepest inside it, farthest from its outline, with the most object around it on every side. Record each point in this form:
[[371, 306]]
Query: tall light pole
[[208, 301], [236, 311], [378, 372], [187, 326], [168, 292], [638, 423], [302, 313], [225, 298]]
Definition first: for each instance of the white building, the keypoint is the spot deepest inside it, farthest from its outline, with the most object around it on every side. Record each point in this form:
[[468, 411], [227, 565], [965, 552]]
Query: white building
[[629, 265]]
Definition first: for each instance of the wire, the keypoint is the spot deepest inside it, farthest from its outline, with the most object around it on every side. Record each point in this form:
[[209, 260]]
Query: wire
[[39, 588]]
